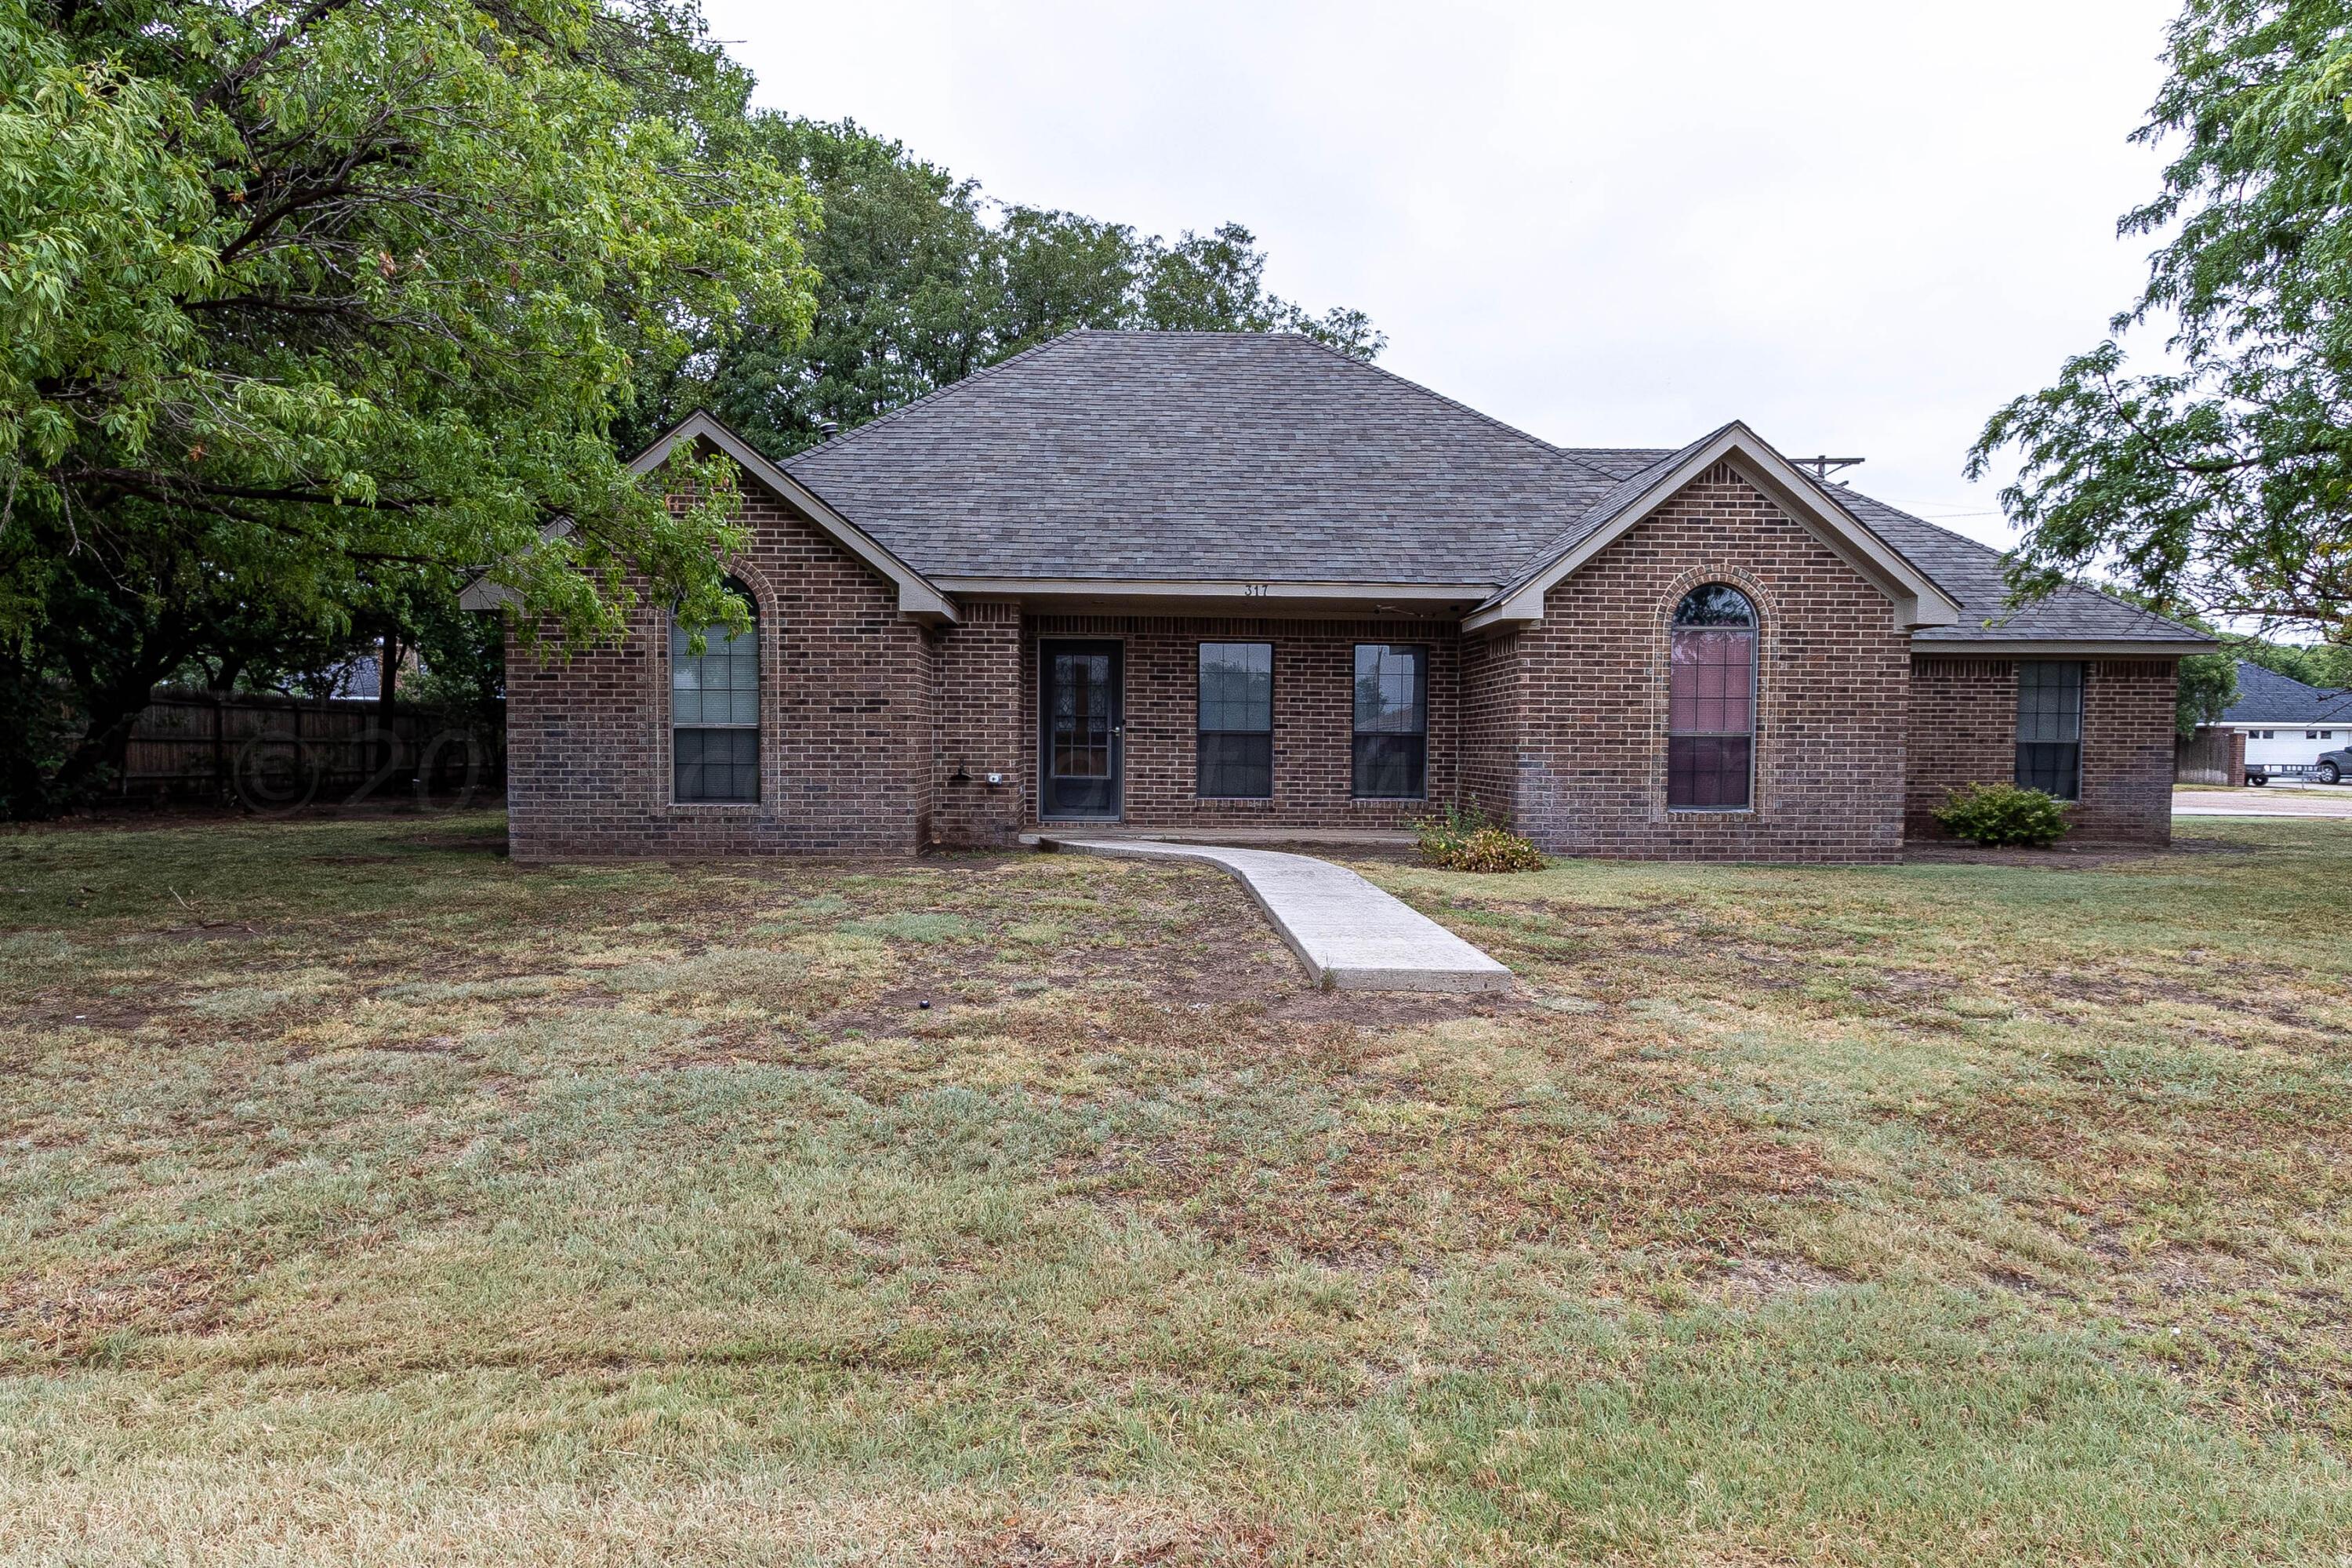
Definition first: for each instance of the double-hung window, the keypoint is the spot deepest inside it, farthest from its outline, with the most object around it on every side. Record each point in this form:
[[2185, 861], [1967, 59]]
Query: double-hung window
[[1236, 718], [1392, 749], [2050, 727], [714, 712]]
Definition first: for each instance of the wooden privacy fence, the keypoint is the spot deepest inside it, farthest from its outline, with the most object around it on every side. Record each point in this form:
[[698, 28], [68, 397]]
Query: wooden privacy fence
[[2210, 756], [280, 754]]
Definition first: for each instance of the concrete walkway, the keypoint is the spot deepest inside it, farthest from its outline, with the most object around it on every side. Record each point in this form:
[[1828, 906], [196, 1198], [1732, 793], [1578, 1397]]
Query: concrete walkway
[[1350, 935], [2270, 800]]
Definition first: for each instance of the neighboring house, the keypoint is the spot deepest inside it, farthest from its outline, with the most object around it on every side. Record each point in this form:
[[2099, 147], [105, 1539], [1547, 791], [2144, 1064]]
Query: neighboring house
[[2286, 722], [361, 676], [1226, 581]]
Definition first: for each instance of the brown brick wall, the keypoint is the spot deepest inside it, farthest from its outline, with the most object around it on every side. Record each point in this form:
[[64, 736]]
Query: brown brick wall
[[1833, 693], [845, 742], [1494, 710], [1965, 714], [1313, 715], [979, 728], [1964, 723], [867, 719]]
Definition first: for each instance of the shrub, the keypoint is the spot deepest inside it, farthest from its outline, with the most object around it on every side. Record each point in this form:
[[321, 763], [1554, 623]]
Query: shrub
[[1460, 838], [2004, 814]]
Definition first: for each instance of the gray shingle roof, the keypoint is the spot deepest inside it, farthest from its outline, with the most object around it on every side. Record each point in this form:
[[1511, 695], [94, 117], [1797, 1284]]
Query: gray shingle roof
[[2266, 697], [1267, 458], [1256, 456], [1971, 573], [1606, 508]]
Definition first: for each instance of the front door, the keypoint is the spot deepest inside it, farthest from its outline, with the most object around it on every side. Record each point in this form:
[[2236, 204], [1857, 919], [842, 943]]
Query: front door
[[1078, 720]]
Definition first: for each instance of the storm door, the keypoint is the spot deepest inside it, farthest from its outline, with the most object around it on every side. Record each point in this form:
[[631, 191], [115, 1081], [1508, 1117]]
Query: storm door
[[1080, 726]]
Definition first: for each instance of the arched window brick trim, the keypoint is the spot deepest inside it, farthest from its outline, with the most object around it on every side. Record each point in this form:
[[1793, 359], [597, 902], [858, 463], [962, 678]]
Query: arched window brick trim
[[1714, 692]]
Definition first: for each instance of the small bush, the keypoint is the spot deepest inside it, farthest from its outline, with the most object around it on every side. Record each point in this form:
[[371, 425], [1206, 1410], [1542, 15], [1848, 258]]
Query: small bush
[[1460, 838], [2004, 814]]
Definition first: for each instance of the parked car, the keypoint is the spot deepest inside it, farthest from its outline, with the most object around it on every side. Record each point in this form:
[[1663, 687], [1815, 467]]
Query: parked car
[[2334, 767]]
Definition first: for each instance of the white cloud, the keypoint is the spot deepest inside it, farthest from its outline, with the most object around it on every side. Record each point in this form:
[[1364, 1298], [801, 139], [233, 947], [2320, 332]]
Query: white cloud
[[1860, 226]]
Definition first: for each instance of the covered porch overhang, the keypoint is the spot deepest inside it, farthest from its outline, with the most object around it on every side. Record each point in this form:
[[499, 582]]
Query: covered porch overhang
[[1210, 597]]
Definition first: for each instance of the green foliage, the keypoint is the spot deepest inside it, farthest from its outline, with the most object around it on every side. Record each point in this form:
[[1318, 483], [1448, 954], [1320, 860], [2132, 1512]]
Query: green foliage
[[2004, 814], [923, 280], [2208, 684], [1461, 838], [2220, 486], [2324, 664], [305, 309]]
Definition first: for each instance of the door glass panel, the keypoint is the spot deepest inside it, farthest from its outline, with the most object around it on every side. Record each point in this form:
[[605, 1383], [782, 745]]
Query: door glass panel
[[1082, 695]]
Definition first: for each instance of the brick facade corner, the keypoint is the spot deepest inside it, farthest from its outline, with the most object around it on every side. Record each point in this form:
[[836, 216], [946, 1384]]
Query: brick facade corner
[[1964, 716]]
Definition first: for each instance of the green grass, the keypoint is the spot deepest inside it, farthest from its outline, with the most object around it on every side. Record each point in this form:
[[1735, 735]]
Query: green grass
[[365, 1199]]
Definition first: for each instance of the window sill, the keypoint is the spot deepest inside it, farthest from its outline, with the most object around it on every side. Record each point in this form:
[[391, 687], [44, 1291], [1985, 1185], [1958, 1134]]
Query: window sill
[[1710, 811]]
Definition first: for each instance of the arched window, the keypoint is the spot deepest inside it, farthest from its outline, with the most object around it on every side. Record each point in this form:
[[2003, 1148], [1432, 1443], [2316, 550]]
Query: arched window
[[1711, 701], [714, 710]]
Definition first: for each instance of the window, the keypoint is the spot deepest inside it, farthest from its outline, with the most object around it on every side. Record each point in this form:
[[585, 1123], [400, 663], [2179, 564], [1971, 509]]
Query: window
[[1391, 721], [2311, 734], [2050, 728], [1236, 737], [714, 712], [1711, 701]]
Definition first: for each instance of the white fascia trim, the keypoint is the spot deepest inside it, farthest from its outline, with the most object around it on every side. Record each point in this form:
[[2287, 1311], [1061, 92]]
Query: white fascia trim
[[2057, 647], [916, 596], [1919, 602], [1235, 588]]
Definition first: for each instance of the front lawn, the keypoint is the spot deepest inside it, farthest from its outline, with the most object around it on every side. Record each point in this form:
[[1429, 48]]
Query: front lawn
[[366, 1199]]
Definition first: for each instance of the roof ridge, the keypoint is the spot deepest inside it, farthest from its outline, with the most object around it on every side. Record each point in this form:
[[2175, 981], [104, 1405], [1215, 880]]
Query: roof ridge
[[934, 395], [2324, 693], [1538, 442], [1547, 448]]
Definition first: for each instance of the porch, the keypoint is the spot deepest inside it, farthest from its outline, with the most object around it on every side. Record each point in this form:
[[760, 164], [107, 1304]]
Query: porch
[[1229, 729]]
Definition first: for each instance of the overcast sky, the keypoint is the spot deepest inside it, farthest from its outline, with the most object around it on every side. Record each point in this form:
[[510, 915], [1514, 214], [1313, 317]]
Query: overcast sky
[[1858, 227]]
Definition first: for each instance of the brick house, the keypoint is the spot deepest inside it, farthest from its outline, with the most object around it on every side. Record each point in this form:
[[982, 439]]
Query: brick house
[[1232, 580]]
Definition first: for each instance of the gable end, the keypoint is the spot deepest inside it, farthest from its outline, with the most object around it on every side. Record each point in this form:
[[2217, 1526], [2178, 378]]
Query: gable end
[[1918, 600]]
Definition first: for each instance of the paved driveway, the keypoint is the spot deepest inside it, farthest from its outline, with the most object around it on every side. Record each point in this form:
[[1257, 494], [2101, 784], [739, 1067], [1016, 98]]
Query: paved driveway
[[2270, 800]]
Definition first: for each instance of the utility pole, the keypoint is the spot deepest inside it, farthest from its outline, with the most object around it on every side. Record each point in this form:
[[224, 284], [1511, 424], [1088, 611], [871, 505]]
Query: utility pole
[[1823, 467]]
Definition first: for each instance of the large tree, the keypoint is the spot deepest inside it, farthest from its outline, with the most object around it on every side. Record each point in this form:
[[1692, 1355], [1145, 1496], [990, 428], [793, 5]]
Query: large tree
[[307, 306], [2221, 483], [923, 280]]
